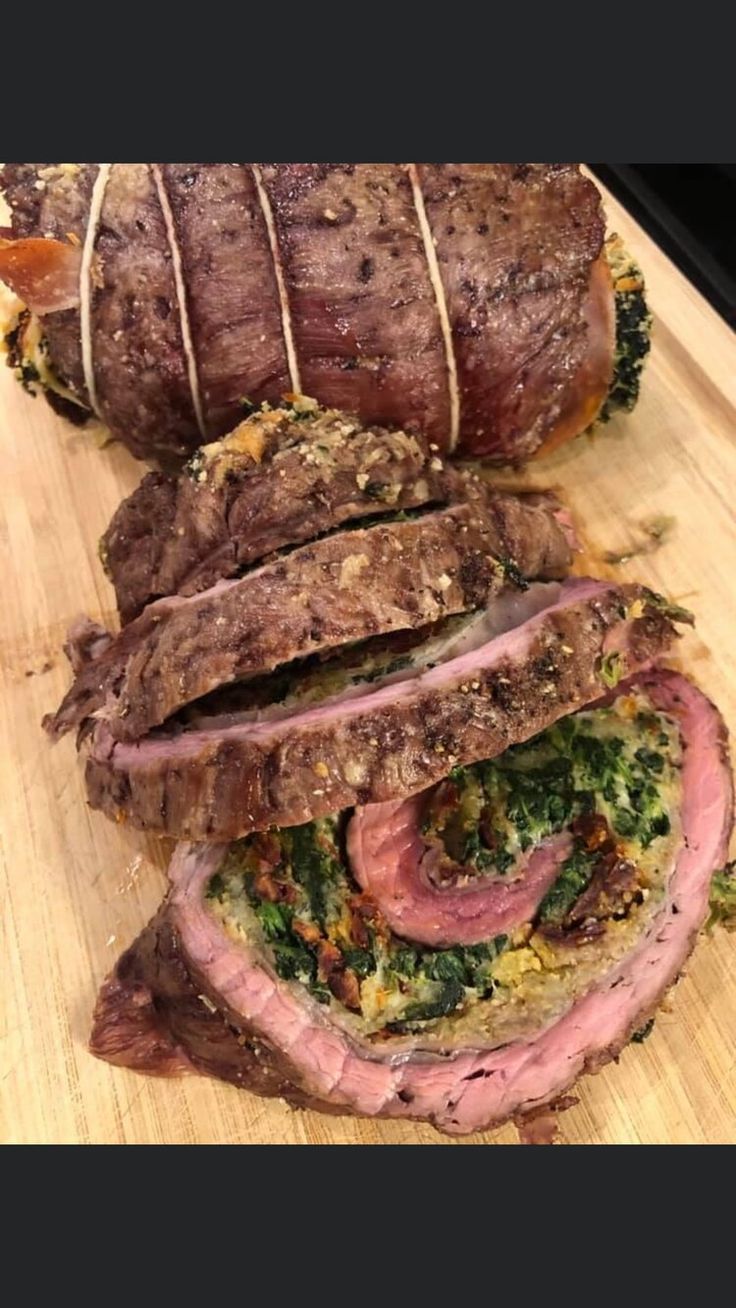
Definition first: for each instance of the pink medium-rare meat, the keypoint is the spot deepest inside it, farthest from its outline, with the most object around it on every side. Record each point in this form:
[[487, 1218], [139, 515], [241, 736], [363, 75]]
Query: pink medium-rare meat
[[342, 589], [231, 778], [468, 301], [382, 661], [186, 997], [394, 865]]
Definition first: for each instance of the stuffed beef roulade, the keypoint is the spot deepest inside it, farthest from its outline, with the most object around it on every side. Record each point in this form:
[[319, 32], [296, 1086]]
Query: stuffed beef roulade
[[461, 957], [288, 475], [477, 303], [359, 732]]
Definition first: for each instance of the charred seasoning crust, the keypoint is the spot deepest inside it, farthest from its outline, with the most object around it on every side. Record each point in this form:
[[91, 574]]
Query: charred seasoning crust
[[234, 784], [343, 588], [281, 478]]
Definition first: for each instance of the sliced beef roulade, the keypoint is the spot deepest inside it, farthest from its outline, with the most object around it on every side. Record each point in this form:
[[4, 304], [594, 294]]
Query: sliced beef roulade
[[288, 475], [348, 587], [280, 964], [223, 775]]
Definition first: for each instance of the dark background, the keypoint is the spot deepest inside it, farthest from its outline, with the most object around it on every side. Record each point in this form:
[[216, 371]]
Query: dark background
[[690, 210]]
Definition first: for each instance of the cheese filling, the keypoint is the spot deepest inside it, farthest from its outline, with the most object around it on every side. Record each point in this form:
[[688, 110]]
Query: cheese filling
[[24, 341]]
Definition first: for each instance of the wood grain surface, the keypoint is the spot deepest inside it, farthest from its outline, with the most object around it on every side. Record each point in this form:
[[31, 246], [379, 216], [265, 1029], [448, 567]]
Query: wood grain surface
[[76, 888]]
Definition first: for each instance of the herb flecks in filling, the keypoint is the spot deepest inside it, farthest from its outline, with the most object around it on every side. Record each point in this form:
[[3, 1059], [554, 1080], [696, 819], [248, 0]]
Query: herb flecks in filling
[[323, 932], [28, 355], [723, 898], [608, 776], [633, 330], [485, 816]]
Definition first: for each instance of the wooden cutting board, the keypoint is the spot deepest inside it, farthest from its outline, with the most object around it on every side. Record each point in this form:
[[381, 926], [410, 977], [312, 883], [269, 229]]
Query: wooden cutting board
[[77, 889]]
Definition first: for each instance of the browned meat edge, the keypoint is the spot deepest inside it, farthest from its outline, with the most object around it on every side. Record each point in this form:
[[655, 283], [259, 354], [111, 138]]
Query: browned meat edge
[[515, 246], [139, 360], [346, 588], [233, 300], [158, 1013], [475, 293], [155, 1015], [182, 534], [260, 489], [150, 1016], [366, 326], [219, 785]]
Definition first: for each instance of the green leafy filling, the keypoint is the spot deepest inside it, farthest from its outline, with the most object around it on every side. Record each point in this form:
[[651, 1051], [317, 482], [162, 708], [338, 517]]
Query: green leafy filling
[[675, 612], [484, 817], [573, 879], [723, 899], [633, 332], [433, 982], [611, 669], [512, 573]]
